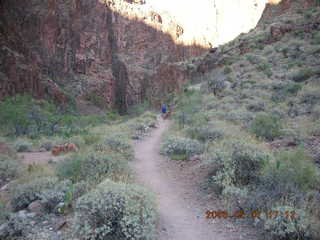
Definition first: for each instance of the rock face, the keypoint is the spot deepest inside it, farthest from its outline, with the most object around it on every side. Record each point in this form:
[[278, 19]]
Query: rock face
[[110, 49], [117, 52], [278, 7]]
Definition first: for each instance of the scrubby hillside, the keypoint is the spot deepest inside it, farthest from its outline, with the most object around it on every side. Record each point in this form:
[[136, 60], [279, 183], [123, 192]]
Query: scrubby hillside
[[68, 177], [256, 123]]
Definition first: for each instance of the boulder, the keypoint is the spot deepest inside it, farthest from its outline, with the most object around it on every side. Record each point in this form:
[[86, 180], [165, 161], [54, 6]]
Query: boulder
[[4, 231], [36, 207]]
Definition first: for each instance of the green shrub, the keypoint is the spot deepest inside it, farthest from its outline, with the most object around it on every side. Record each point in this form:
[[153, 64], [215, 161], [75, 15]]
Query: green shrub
[[316, 38], [70, 125], [115, 211], [50, 198], [145, 122], [310, 95], [113, 116], [315, 129], [227, 70], [253, 59], [206, 133], [291, 89], [90, 139], [15, 227], [256, 106], [95, 99], [91, 120], [150, 122], [48, 190], [142, 125], [61, 201], [284, 181], [139, 109], [188, 119], [23, 115], [181, 146], [4, 213], [24, 194], [285, 223], [149, 115], [118, 143], [9, 168], [139, 129], [302, 75], [91, 167], [79, 189], [188, 108], [238, 163], [14, 113], [300, 169], [78, 140], [216, 85], [239, 116], [23, 146], [316, 112], [266, 126], [47, 145], [265, 68]]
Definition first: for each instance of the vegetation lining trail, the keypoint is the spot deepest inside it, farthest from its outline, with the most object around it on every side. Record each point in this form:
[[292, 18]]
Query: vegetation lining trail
[[181, 216]]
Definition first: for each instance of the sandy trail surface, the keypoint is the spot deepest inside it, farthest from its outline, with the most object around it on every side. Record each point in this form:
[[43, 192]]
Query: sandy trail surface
[[181, 206]]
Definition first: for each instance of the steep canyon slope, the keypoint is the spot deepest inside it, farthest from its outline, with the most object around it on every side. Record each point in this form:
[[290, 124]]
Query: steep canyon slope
[[112, 52]]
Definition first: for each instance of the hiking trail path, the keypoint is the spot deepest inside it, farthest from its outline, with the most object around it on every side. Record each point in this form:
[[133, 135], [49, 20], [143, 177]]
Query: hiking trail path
[[182, 208]]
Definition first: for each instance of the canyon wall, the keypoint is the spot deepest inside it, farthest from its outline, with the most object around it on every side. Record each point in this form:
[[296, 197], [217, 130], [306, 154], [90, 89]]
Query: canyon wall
[[118, 52], [108, 49]]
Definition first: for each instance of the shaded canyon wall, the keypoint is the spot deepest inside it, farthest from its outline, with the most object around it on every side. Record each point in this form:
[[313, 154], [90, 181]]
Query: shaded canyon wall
[[119, 51]]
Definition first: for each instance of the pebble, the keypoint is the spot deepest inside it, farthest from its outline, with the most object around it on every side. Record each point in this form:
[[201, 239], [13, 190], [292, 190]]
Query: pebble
[[42, 150], [31, 215], [23, 214]]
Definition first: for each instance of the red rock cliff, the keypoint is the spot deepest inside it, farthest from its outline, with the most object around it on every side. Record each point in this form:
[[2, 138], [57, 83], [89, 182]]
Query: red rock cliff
[[108, 48]]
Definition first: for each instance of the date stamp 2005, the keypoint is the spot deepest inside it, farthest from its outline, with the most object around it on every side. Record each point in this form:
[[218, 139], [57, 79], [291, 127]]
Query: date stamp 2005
[[222, 214]]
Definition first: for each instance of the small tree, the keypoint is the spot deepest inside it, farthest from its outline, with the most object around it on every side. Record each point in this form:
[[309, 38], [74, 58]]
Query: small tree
[[14, 114], [266, 126]]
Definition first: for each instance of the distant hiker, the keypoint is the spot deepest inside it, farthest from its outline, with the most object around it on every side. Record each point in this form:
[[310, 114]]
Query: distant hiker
[[164, 108], [164, 111]]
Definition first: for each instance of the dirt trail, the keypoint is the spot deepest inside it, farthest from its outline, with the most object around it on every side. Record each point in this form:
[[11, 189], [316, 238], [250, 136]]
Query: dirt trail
[[182, 209]]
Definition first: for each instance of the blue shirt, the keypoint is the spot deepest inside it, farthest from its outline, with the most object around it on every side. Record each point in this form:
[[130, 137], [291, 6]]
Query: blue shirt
[[164, 108]]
